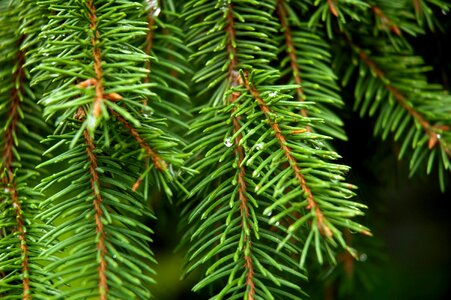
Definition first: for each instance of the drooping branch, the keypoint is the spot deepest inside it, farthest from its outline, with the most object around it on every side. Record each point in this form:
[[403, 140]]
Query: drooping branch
[[312, 204], [95, 43], [8, 181], [401, 99]]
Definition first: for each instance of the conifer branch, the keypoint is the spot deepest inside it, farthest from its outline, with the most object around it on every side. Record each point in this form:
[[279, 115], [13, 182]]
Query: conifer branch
[[8, 175], [312, 205], [401, 99]]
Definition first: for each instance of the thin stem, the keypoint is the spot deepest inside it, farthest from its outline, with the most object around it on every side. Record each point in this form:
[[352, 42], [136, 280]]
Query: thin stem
[[8, 180], [95, 41], [312, 205], [386, 21], [235, 80], [244, 211], [291, 51], [332, 7], [95, 186], [159, 163]]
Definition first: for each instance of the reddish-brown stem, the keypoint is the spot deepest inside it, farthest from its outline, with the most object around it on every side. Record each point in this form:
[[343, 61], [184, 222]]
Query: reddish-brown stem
[[95, 40], [291, 51], [244, 210], [158, 162], [95, 186], [401, 99], [235, 80], [386, 21], [332, 7], [8, 180], [417, 6], [312, 205]]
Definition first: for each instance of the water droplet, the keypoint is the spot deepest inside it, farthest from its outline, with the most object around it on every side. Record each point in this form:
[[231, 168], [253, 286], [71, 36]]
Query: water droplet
[[444, 11], [273, 94], [91, 122], [269, 213], [259, 146], [277, 223], [114, 256], [146, 116], [157, 12], [439, 136], [171, 170], [153, 7], [228, 142], [363, 257]]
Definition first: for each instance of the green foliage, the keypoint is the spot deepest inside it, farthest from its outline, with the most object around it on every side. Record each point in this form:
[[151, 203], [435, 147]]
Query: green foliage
[[228, 109]]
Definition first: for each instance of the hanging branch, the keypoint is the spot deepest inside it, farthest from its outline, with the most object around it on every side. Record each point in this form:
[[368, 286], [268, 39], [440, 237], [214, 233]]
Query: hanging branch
[[7, 171]]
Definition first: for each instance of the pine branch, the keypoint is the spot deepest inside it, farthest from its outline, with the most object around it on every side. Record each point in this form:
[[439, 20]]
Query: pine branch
[[411, 100], [21, 273]]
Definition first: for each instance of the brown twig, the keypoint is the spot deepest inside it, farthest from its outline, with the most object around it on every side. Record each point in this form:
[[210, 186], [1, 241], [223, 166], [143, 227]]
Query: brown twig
[[291, 51], [235, 80], [95, 186], [417, 6], [386, 21], [239, 152], [332, 7], [95, 40], [159, 163], [8, 178], [312, 205]]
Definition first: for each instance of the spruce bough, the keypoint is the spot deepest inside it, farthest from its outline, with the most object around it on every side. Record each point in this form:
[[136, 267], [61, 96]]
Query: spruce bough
[[229, 108]]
